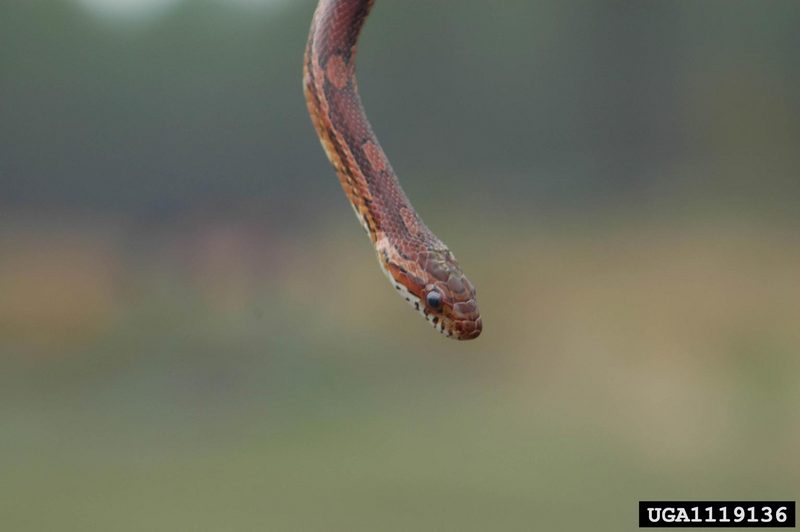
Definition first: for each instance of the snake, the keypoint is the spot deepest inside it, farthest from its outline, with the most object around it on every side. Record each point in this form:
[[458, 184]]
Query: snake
[[417, 263]]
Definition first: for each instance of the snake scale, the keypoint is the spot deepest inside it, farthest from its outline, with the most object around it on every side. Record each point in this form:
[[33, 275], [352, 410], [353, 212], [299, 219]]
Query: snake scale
[[419, 266]]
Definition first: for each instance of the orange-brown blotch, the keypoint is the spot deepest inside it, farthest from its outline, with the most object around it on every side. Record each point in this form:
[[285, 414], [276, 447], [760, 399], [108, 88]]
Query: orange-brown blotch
[[375, 156], [337, 72]]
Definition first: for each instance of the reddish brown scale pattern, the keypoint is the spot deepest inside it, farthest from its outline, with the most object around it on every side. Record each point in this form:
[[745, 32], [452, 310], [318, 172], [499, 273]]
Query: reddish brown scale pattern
[[338, 72], [375, 156], [415, 259], [411, 221]]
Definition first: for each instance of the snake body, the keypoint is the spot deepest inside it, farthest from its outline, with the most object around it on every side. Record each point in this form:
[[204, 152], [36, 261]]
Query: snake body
[[416, 262]]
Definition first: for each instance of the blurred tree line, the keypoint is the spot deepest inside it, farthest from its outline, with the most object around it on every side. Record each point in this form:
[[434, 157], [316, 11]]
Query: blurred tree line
[[529, 103]]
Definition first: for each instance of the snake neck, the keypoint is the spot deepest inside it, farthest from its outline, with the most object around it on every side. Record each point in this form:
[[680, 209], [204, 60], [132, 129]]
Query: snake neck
[[364, 171]]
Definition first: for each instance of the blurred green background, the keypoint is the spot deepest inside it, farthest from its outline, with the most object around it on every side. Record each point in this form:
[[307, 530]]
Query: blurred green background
[[195, 335]]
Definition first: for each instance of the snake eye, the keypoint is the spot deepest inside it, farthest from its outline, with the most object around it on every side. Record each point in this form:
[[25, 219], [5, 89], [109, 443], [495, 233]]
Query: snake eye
[[434, 300]]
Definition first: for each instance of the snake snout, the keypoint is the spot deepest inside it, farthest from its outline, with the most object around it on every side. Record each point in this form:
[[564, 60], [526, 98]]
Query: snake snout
[[468, 329], [467, 323]]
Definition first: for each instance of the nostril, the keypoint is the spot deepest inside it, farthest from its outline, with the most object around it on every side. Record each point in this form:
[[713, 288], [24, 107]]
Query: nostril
[[475, 332], [469, 330]]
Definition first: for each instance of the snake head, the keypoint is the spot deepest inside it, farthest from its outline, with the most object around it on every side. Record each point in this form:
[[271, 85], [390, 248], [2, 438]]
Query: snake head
[[441, 292], [449, 297]]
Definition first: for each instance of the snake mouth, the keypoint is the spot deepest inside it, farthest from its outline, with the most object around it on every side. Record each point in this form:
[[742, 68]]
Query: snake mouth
[[456, 327]]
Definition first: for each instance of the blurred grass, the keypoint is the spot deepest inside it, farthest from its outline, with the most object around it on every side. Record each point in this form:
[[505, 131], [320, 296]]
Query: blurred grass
[[217, 375]]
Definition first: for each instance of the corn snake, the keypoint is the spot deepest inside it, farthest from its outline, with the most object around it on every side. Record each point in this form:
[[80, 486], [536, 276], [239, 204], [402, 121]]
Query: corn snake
[[420, 267]]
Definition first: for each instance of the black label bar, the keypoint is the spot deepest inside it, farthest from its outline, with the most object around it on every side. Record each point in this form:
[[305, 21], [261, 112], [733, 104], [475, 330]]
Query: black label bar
[[717, 514]]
